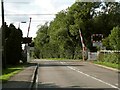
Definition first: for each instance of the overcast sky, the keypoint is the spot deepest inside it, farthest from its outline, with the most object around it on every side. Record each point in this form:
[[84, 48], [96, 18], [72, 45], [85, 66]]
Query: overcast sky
[[20, 7]]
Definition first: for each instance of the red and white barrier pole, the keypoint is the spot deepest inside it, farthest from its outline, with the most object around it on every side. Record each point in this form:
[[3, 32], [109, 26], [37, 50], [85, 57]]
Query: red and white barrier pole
[[83, 46]]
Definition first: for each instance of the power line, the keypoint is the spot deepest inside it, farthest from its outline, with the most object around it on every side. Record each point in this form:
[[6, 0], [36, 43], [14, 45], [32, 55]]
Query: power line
[[32, 21], [35, 21], [31, 2], [18, 2], [28, 14]]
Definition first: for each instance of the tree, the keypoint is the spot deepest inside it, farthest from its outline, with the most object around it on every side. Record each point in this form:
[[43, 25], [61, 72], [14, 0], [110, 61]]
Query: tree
[[114, 38], [41, 39], [106, 43], [62, 39], [13, 45]]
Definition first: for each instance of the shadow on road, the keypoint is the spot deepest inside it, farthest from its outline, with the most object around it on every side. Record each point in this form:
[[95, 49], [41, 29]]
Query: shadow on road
[[48, 85], [30, 64], [10, 85], [51, 65], [20, 85], [24, 85]]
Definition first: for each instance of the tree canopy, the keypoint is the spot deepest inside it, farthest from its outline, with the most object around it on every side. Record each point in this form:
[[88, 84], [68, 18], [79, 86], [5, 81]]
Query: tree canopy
[[62, 39], [12, 44]]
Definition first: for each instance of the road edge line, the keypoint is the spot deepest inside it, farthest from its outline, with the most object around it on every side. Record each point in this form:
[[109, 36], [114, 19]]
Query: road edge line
[[106, 67]]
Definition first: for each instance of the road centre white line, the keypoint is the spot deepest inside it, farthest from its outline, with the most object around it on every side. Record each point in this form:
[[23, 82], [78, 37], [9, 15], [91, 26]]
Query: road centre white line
[[77, 70]]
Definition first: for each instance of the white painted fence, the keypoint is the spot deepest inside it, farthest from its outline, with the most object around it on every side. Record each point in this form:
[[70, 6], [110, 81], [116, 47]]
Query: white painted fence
[[94, 55], [110, 51]]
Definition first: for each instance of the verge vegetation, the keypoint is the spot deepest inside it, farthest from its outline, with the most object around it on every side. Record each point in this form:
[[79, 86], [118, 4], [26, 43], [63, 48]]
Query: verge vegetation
[[10, 71]]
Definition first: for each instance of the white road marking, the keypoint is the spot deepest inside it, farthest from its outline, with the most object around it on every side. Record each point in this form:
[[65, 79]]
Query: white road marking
[[77, 70], [62, 62], [116, 84], [37, 80]]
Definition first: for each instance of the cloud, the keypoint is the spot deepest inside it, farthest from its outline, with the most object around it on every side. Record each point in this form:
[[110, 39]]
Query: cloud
[[45, 5], [53, 6], [33, 7]]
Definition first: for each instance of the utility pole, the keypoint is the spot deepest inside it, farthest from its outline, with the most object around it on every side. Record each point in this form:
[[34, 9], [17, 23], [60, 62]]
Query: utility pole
[[2, 8], [3, 36]]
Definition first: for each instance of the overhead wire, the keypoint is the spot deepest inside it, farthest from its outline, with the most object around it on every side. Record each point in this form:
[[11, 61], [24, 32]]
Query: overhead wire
[[17, 2], [24, 14], [31, 2], [28, 14]]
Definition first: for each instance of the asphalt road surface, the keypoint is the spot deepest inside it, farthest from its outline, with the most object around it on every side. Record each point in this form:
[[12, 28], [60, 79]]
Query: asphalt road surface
[[75, 74]]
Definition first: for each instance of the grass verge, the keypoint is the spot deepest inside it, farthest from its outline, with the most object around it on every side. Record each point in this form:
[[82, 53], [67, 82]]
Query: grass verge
[[108, 64], [10, 71]]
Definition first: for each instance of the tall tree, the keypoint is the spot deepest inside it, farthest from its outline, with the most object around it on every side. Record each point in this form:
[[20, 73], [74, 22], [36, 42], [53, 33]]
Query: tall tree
[[114, 38], [13, 45], [41, 39], [63, 39]]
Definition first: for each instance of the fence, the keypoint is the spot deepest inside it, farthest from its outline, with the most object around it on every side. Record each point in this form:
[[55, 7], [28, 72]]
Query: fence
[[109, 51], [112, 56]]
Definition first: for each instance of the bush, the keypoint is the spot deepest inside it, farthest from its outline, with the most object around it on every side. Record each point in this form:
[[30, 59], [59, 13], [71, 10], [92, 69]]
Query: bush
[[109, 57], [114, 38]]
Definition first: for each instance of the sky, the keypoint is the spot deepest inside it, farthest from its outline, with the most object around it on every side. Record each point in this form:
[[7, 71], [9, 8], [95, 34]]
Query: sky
[[19, 11]]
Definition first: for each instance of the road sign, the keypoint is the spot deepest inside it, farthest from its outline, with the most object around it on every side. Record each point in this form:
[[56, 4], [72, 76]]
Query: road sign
[[97, 40], [99, 44]]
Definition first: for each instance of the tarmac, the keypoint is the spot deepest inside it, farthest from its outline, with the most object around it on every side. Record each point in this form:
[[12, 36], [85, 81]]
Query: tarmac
[[24, 79]]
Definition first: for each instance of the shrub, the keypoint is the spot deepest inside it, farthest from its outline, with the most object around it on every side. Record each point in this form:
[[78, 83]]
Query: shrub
[[109, 57]]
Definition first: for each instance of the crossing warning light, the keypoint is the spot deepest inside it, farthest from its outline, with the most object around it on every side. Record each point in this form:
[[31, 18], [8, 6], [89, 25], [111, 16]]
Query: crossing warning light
[[96, 37]]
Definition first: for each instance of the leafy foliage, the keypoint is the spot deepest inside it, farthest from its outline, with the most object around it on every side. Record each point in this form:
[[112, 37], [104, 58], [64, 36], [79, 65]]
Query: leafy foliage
[[12, 44], [114, 38], [61, 38]]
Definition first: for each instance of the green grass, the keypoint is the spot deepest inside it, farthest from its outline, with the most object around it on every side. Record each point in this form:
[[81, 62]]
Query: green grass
[[108, 64], [10, 71]]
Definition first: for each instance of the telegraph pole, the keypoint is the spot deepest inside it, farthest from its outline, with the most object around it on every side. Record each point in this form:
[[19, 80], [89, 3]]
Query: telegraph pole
[[2, 8], [3, 36]]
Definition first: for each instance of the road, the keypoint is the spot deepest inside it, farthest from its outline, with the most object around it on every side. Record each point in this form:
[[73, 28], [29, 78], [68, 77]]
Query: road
[[75, 74]]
